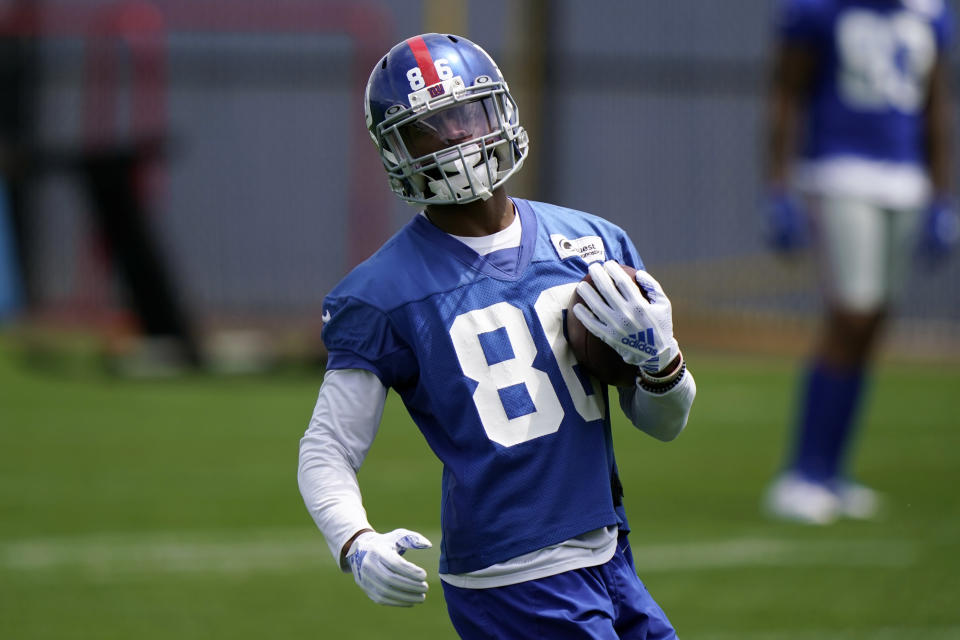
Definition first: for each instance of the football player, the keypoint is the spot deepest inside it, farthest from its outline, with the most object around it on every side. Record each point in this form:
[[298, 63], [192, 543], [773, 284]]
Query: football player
[[860, 91], [462, 314]]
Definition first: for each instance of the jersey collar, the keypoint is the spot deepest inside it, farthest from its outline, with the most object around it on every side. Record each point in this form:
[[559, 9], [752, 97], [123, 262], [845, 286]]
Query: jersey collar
[[469, 257]]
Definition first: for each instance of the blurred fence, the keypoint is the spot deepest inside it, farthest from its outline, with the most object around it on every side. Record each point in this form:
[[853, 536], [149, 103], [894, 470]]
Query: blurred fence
[[647, 113]]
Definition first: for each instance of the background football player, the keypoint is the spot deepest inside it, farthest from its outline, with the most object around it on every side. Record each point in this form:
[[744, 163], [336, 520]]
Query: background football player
[[461, 313], [864, 82]]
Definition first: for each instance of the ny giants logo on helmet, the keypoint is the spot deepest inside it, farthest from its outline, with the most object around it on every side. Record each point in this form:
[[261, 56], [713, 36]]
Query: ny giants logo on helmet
[[436, 90]]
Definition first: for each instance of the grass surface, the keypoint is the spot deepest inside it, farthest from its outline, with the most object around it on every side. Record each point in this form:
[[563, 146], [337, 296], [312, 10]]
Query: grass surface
[[170, 510]]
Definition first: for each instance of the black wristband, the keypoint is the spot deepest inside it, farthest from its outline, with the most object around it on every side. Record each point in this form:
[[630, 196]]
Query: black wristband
[[648, 384]]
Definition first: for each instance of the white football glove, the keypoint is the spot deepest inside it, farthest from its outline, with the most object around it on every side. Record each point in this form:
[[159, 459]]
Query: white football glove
[[378, 568], [640, 331]]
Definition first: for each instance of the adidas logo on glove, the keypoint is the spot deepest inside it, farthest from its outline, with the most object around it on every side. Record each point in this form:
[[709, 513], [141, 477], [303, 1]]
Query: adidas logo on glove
[[641, 341]]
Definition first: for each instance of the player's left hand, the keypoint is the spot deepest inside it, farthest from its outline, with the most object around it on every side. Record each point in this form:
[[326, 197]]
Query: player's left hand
[[785, 223], [640, 331], [940, 233]]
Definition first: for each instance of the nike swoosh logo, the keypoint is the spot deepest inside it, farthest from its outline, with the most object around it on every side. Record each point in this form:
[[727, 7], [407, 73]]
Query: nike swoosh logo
[[326, 316]]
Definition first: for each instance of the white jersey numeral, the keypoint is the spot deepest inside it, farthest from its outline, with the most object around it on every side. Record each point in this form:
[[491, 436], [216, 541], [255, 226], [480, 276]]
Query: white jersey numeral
[[507, 381], [885, 60], [549, 308]]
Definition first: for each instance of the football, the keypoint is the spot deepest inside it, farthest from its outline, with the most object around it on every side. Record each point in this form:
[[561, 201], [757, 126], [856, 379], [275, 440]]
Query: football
[[596, 356]]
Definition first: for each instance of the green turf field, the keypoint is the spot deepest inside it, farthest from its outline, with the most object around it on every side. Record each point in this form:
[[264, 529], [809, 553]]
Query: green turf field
[[170, 510]]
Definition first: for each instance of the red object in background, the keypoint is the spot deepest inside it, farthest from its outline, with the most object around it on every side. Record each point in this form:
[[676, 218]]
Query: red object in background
[[139, 29]]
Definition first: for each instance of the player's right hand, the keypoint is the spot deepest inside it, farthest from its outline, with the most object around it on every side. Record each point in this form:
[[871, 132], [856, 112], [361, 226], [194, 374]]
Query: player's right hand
[[377, 565], [785, 221]]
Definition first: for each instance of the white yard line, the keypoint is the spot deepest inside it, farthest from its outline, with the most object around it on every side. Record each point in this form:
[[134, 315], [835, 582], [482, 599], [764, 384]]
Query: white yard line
[[113, 554], [879, 633], [775, 552], [284, 550]]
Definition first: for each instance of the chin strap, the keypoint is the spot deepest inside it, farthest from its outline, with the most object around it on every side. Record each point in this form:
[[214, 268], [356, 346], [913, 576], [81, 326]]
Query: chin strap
[[461, 183]]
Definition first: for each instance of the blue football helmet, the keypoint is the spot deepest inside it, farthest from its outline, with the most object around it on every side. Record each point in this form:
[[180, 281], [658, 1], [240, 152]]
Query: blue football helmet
[[447, 129]]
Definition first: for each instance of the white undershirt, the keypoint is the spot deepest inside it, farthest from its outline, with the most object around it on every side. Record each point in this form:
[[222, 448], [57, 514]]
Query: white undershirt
[[885, 184], [504, 239]]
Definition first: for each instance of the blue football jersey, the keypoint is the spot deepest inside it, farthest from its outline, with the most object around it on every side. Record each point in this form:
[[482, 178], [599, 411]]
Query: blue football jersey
[[476, 350], [874, 61]]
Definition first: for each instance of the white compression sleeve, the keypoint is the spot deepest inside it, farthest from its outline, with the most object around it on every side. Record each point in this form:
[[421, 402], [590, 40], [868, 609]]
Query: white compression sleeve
[[661, 415], [344, 424]]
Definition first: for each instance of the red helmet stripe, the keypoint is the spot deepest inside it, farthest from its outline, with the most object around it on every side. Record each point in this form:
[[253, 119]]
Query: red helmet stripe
[[424, 60]]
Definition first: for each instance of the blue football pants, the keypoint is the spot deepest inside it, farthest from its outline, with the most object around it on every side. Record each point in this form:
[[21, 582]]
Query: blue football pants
[[604, 602]]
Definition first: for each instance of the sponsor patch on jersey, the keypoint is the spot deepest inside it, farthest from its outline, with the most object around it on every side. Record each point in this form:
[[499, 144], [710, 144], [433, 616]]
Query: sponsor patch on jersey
[[590, 248]]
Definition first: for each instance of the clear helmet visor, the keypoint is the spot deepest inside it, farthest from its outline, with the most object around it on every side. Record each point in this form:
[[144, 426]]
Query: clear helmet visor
[[450, 127], [455, 154]]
